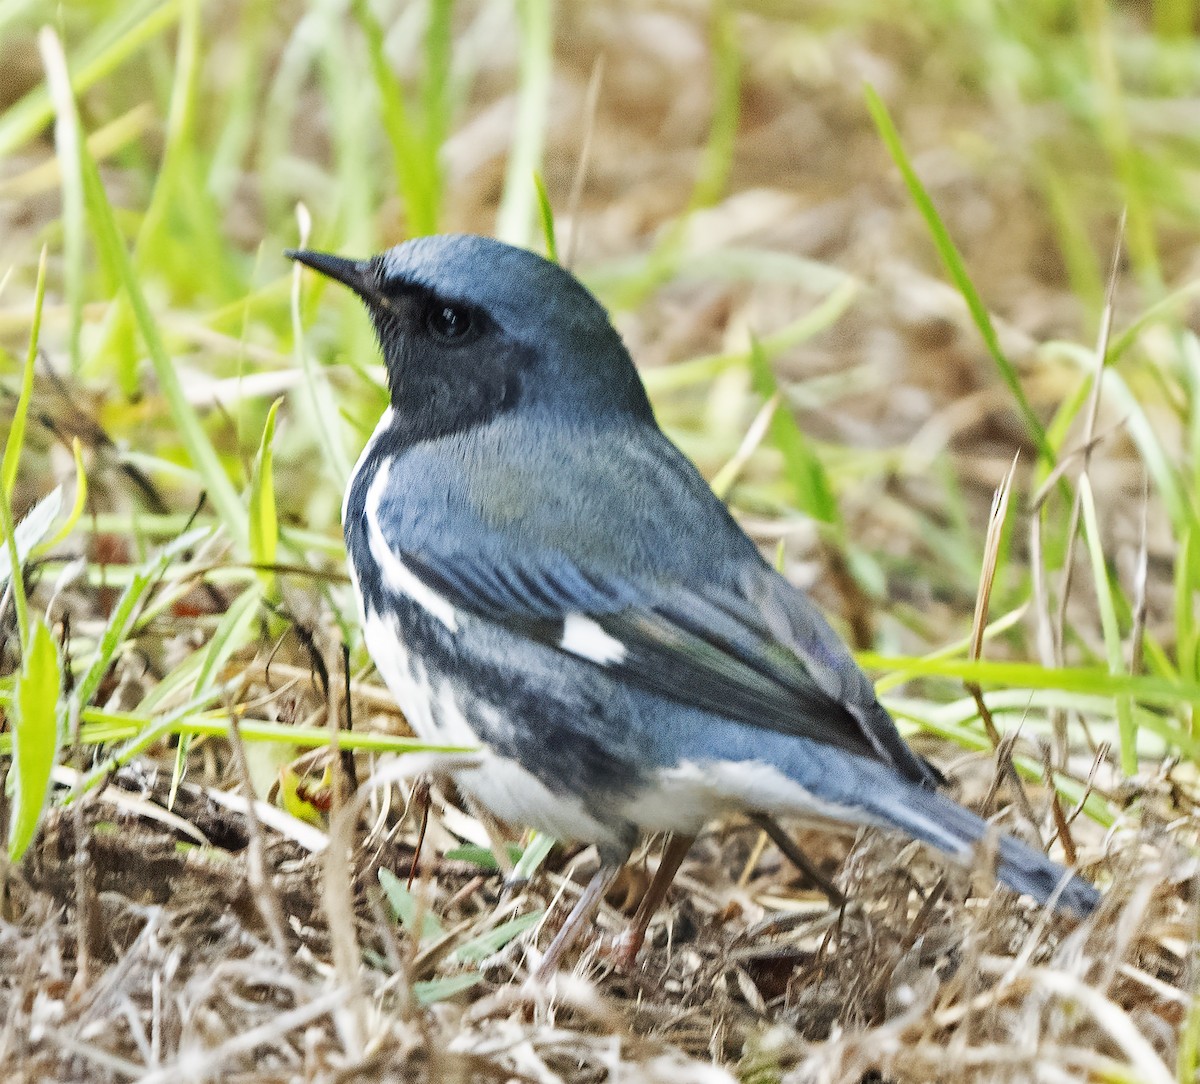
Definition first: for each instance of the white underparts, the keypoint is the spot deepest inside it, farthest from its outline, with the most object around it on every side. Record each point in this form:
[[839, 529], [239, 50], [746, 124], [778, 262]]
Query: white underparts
[[396, 575], [584, 637], [434, 710], [385, 423], [688, 795]]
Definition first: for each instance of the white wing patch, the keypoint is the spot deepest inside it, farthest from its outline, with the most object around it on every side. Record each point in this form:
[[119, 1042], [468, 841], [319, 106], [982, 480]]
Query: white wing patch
[[396, 574], [583, 637]]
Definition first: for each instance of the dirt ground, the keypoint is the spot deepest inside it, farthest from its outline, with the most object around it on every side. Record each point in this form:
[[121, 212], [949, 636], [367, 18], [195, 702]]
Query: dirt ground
[[171, 938]]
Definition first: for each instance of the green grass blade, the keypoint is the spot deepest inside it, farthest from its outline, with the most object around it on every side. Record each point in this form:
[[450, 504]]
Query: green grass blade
[[727, 87], [77, 506], [66, 144], [181, 229], [108, 240], [488, 944], [1118, 135], [953, 262], [124, 615], [699, 370], [30, 533], [1188, 1059], [533, 856], [1029, 675], [435, 91], [1187, 623], [405, 907], [146, 736], [413, 156], [19, 542], [233, 631], [102, 726], [112, 44], [16, 433], [663, 261], [200, 450], [1108, 621], [264, 516], [802, 467], [547, 217], [35, 736], [20, 603], [431, 991], [317, 396], [1142, 430], [515, 218]]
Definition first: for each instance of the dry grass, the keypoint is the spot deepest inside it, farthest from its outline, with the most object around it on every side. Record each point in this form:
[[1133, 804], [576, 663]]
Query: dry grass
[[169, 936]]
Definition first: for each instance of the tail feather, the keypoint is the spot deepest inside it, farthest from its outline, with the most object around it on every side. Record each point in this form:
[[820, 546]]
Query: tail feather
[[940, 821]]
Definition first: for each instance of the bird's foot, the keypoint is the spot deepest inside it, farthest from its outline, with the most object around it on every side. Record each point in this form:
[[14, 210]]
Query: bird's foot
[[622, 951]]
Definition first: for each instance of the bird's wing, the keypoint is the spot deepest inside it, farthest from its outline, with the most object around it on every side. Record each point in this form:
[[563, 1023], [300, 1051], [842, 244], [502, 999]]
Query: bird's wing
[[768, 661]]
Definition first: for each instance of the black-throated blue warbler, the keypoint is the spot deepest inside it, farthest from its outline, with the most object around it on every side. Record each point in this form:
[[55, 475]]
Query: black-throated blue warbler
[[544, 575]]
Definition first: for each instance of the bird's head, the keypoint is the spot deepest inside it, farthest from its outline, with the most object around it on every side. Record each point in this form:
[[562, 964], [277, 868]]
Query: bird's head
[[472, 328]]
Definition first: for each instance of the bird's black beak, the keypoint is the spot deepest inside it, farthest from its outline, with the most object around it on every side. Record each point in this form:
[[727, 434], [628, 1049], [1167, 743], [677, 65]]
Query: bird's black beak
[[353, 273]]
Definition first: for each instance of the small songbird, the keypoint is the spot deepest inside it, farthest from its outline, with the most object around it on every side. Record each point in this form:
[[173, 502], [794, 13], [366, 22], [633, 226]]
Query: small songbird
[[544, 576]]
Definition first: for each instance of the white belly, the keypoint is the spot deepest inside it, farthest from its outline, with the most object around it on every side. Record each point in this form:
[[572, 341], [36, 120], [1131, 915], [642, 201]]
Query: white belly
[[498, 783], [687, 796]]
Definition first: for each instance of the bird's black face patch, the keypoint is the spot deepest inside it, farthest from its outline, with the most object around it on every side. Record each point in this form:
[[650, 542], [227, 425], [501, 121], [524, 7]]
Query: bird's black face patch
[[449, 364]]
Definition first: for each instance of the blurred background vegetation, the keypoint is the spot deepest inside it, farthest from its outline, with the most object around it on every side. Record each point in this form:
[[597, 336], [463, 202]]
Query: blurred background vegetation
[[862, 252]]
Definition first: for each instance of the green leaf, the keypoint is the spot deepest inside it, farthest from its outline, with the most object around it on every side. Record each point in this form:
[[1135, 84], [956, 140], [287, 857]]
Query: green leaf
[[535, 854], [264, 518], [35, 736], [480, 856], [426, 993], [488, 944], [404, 906]]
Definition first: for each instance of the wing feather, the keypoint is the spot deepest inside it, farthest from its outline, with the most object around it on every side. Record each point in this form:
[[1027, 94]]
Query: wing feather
[[711, 649]]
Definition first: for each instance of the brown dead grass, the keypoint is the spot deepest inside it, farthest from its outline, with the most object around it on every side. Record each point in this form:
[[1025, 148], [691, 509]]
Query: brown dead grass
[[128, 953]]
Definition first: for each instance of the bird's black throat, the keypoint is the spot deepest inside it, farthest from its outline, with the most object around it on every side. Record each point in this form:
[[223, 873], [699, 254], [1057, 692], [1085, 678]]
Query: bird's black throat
[[438, 390]]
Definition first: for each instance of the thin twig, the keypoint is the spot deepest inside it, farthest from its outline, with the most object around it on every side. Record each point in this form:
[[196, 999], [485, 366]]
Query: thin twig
[[262, 887], [1089, 432], [987, 577], [575, 200]]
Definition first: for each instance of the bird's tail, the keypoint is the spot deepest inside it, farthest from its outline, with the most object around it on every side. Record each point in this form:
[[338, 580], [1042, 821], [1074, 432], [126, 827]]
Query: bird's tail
[[941, 822]]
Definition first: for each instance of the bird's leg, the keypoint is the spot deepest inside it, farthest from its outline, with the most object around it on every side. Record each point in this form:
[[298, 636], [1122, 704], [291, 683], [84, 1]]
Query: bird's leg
[[580, 914], [797, 857], [629, 943]]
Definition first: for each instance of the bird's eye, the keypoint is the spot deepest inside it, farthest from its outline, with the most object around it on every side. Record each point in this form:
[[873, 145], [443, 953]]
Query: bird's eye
[[450, 323]]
